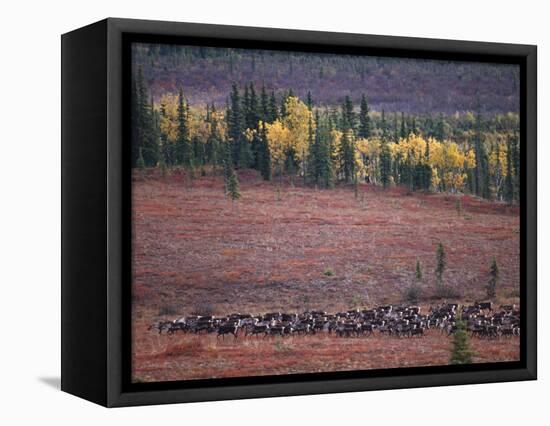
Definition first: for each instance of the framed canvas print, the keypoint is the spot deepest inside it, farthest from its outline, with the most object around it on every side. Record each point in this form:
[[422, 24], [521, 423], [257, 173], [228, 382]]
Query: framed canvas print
[[252, 212]]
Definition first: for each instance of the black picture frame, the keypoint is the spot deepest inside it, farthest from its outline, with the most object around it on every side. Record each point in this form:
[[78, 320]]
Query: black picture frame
[[96, 225]]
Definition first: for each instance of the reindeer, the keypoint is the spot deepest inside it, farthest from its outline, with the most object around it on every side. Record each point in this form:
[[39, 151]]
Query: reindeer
[[229, 328]]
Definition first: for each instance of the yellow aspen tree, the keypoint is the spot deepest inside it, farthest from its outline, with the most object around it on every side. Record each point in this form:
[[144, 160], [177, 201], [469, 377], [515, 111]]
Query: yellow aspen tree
[[169, 120], [297, 121], [278, 137]]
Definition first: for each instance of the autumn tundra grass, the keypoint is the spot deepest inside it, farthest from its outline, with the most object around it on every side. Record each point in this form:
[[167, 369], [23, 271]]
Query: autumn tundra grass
[[299, 248]]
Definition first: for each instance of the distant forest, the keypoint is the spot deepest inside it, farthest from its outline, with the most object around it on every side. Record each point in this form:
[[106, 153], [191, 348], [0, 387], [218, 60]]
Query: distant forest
[[393, 84], [280, 131]]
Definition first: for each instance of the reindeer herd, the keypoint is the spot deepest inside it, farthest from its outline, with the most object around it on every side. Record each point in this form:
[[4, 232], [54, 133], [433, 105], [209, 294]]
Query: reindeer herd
[[481, 320]]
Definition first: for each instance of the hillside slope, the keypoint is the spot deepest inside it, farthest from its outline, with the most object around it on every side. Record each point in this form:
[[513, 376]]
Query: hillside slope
[[393, 84]]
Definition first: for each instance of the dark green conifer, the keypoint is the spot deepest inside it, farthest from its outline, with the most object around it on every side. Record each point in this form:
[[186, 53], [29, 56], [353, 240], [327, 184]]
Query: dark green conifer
[[404, 132], [493, 279], [265, 155], [460, 351], [440, 264], [385, 164], [183, 149], [365, 124], [273, 111]]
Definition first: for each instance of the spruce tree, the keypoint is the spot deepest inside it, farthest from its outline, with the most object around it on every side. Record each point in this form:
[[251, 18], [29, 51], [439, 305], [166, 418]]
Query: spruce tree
[[385, 163], [273, 111], [246, 108], [347, 144], [428, 128], [264, 106], [404, 132], [440, 265], [418, 275], [265, 155], [516, 166], [348, 116], [365, 125], [413, 129], [324, 163], [493, 279], [395, 129], [166, 154], [162, 166], [313, 160], [347, 156], [384, 127], [234, 123], [440, 129], [212, 148], [231, 180], [427, 173], [256, 148], [227, 164], [141, 164], [233, 186], [145, 136], [460, 351], [282, 113], [241, 154], [481, 168], [309, 101], [253, 113], [414, 291], [508, 180], [134, 119], [183, 149]]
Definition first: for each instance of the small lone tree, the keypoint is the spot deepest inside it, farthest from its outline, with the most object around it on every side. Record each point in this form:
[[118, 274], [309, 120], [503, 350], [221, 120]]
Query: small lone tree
[[141, 164], [230, 181], [414, 292], [493, 279], [162, 166], [191, 171], [441, 264], [233, 185], [418, 275], [460, 351]]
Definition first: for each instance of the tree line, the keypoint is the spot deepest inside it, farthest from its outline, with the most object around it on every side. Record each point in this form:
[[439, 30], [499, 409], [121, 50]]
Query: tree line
[[282, 135]]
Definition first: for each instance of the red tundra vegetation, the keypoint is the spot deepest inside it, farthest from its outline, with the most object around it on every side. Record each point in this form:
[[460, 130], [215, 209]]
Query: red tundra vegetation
[[299, 248]]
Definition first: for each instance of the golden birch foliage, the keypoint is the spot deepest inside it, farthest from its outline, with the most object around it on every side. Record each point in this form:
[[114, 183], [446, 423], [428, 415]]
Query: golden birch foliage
[[369, 153], [221, 125], [450, 161], [497, 159], [249, 134], [360, 165], [198, 127], [370, 148], [291, 134], [335, 142], [453, 157], [436, 181], [454, 180], [169, 122], [447, 160], [279, 138], [297, 121], [437, 157], [412, 148], [470, 160], [394, 150]]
